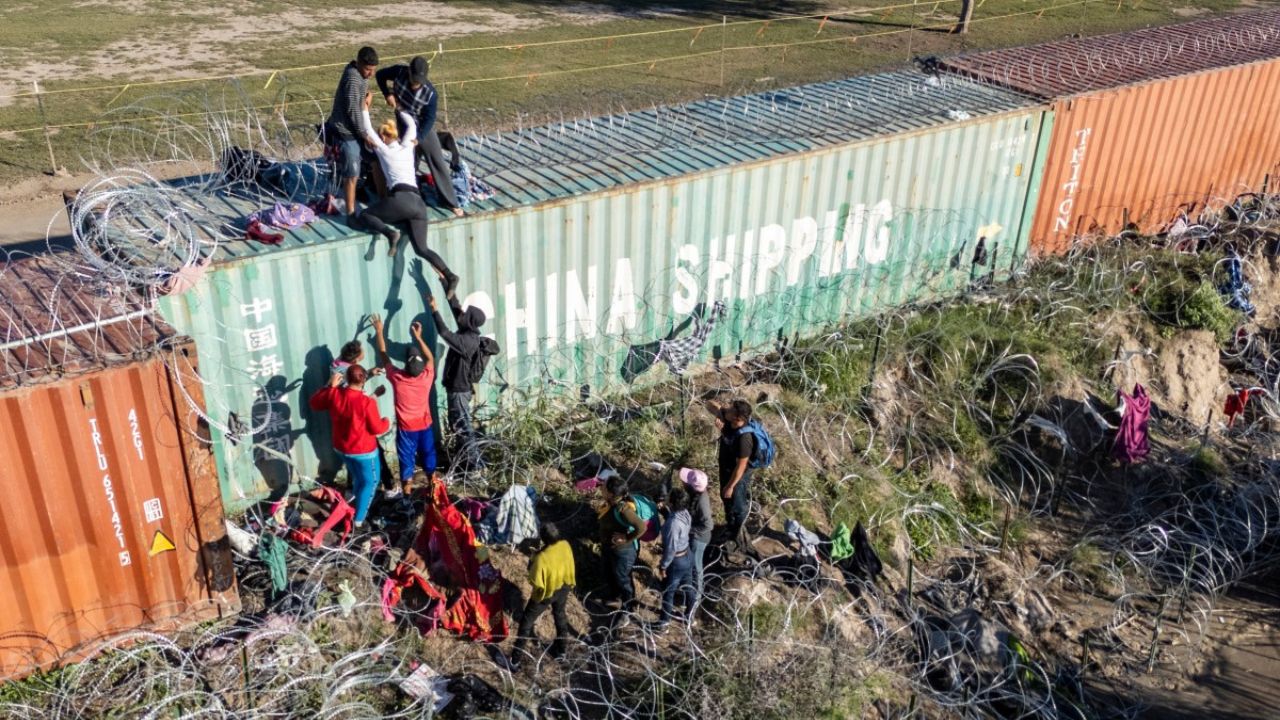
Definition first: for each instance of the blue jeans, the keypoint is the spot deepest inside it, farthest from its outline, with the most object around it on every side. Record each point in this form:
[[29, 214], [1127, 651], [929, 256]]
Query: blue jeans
[[737, 507], [365, 470], [697, 548], [624, 561], [414, 446], [464, 433], [679, 580], [350, 165]]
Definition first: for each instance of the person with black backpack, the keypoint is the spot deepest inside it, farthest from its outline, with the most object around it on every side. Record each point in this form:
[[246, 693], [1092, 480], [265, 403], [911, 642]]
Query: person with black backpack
[[745, 446], [464, 366]]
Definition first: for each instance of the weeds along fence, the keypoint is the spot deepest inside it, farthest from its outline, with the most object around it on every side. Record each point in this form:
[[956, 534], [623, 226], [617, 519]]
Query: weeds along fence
[[51, 124]]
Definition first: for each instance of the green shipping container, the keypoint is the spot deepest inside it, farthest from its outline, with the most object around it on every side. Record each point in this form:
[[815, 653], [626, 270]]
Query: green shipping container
[[798, 209]]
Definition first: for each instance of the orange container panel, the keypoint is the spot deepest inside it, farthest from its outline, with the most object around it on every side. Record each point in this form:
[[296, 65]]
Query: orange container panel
[[112, 519], [1140, 153]]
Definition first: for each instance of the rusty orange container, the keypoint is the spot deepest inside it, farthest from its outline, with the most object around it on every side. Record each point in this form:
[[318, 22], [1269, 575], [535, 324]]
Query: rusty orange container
[[1149, 122], [111, 518]]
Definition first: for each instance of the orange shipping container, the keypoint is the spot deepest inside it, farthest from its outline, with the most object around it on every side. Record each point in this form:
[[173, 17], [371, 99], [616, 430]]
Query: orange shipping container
[[112, 518], [1147, 122]]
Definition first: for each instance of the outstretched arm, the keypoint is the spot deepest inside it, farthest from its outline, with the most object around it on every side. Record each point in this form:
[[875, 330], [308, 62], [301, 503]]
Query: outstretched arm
[[380, 341], [449, 337], [384, 77], [416, 329], [367, 128], [410, 127]]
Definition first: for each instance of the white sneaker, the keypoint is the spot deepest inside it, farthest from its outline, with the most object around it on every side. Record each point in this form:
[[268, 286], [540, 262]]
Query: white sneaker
[[392, 494]]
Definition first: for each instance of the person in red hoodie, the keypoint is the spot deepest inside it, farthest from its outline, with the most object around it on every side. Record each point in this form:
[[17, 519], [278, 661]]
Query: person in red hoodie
[[356, 425]]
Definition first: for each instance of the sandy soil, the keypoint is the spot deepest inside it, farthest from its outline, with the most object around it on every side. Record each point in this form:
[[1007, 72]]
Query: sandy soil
[[226, 34]]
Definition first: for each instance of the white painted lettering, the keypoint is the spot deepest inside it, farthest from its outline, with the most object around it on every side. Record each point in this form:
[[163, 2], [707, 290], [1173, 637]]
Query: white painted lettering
[[804, 240], [553, 296], [830, 251], [522, 318], [773, 246], [686, 297], [580, 310], [877, 245], [622, 306]]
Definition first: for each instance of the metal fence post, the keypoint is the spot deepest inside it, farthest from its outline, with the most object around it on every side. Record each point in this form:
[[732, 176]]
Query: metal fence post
[[48, 142]]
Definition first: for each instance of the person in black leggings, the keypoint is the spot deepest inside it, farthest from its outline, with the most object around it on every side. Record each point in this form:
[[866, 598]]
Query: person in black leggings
[[403, 201]]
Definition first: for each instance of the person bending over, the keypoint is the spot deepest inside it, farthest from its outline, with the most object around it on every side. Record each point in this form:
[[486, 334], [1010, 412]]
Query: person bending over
[[414, 94]]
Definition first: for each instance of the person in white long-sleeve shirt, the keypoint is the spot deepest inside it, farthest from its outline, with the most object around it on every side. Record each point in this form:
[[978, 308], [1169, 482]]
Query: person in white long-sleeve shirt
[[396, 154]]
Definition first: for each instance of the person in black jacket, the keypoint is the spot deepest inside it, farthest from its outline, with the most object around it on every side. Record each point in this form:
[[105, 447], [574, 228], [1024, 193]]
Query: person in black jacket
[[468, 349], [406, 88]]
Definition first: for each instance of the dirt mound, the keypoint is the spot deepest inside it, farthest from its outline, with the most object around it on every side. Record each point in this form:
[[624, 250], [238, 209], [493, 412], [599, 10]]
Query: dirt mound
[[1182, 373]]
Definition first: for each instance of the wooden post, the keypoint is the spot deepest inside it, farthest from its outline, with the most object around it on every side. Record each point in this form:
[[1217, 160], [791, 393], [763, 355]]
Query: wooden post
[[48, 143], [444, 88], [724, 29], [966, 15]]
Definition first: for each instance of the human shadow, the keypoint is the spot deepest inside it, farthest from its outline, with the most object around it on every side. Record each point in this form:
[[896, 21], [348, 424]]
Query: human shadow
[[274, 434], [315, 425]]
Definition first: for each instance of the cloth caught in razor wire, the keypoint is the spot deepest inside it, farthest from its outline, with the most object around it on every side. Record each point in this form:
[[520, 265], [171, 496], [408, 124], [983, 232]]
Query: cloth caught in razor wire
[[1235, 289], [677, 354], [1131, 444]]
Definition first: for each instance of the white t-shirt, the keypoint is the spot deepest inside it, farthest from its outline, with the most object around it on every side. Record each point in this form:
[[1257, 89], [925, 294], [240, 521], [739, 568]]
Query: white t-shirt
[[398, 161]]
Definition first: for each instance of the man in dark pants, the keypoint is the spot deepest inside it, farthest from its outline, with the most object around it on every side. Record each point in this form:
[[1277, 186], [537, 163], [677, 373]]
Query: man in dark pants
[[344, 122], [414, 94], [464, 346], [620, 531], [736, 450], [551, 577]]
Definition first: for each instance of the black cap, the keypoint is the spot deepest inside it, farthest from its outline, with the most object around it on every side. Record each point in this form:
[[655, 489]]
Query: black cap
[[415, 363], [418, 71], [367, 56]]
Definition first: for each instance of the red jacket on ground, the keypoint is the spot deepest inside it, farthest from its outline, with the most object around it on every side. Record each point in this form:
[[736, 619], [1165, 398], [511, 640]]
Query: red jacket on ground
[[354, 417]]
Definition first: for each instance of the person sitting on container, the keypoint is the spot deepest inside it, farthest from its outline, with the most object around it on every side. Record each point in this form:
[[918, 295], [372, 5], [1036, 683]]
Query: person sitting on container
[[356, 425], [414, 94], [468, 351], [403, 201], [415, 436]]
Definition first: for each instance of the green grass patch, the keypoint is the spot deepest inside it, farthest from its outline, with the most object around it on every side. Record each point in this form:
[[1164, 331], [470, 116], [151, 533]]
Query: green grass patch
[[516, 83]]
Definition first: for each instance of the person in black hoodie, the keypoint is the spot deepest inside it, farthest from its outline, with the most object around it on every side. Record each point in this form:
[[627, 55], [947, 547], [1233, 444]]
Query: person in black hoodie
[[463, 366]]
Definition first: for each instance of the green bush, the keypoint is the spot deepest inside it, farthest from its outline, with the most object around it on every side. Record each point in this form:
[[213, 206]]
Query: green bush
[[1191, 305]]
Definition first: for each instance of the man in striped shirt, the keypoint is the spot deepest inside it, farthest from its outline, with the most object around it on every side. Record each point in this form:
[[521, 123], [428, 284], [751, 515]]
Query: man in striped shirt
[[344, 120], [413, 93]]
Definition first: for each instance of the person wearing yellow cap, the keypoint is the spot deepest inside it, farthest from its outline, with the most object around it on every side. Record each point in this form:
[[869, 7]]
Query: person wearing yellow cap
[[552, 577]]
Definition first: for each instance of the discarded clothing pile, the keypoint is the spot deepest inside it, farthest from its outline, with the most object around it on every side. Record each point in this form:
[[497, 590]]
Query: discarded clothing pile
[[468, 188], [445, 551]]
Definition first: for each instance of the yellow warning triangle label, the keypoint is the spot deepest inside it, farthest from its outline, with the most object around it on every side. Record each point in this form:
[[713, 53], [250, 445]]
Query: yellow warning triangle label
[[161, 544]]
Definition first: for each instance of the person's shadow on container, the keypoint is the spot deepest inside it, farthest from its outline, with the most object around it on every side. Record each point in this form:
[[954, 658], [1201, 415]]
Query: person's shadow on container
[[315, 425], [274, 436]]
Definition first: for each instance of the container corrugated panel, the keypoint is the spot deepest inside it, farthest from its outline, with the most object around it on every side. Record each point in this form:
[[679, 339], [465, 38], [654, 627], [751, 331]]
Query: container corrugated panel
[[113, 516], [1139, 154], [553, 162], [1083, 65], [582, 288], [53, 323]]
